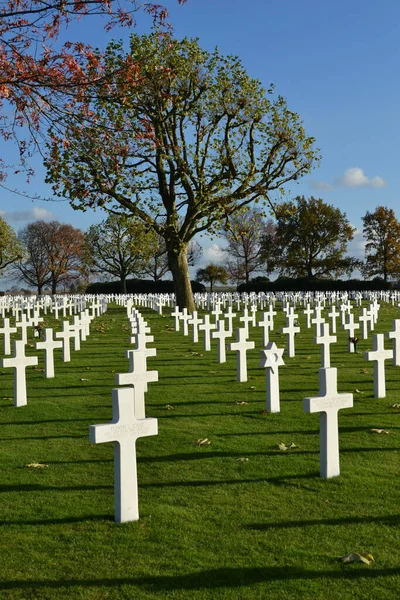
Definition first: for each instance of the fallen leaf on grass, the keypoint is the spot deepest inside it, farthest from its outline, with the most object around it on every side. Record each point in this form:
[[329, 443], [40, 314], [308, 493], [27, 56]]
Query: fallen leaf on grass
[[253, 387], [240, 403], [379, 431], [264, 412], [244, 459], [7, 398], [358, 557], [364, 371], [212, 372], [283, 446], [357, 392], [395, 406], [307, 357], [169, 407], [83, 379], [36, 465], [203, 442]]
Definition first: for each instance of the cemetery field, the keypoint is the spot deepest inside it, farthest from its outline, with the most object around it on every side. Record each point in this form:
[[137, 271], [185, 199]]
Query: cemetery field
[[235, 518]]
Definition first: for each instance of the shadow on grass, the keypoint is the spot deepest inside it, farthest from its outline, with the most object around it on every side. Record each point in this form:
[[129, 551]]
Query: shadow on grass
[[278, 481], [200, 455], [66, 520], [383, 520], [228, 577], [35, 487]]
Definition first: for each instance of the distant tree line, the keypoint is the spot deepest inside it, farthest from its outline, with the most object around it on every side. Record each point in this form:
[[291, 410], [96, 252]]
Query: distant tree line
[[306, 241]]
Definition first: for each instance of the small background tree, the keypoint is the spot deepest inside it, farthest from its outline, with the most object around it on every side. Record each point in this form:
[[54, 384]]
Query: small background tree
[[53, 255], [212, 274], [11, 249], [245, 233], [382, 249], [310, 240], [119, 246]]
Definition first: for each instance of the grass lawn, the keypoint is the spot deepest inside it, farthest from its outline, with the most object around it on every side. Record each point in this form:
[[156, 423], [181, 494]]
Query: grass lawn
[[212, 525]]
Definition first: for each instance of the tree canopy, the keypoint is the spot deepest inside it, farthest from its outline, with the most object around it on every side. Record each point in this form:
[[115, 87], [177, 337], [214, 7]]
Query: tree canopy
[[10, 248], [212, 274], [53, 255], [382, 249], [40, 78], [181, 143], [310, 240], [119, 246], [245, 233]]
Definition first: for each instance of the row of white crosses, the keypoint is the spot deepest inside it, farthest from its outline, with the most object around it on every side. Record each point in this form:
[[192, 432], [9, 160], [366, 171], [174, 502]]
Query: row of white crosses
[[129, 419], [19, 362]]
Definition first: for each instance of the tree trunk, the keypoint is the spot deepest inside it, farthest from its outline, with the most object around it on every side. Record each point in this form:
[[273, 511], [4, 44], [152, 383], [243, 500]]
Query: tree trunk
[[54, 287], [123, 283], [178, 264]]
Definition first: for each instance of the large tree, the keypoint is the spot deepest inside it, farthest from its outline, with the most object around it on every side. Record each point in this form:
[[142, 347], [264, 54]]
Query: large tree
[[310, 240], [10, 248], [53, 255], [245, 253], [186, 141], [40, 78], [382, 249]]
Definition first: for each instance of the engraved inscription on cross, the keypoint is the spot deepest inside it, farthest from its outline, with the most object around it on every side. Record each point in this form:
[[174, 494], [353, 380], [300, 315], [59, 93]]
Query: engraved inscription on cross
[[124, 430], [328, 404]]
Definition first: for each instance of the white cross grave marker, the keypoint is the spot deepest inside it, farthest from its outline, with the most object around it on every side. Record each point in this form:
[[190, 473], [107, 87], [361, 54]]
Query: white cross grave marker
[[351, 326], [395, 336], [290, 330], [195, 321], [221, 334], [124, 430], [19, 362], [328, 404], [265, 323], [206, 326], [138, 377], [48, 345], [379, 355], [65, 335], [241, 346], [6, 330], [176, 314], [325, 340]]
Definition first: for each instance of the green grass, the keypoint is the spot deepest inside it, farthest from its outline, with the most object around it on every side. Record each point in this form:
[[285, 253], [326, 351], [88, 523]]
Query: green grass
[[211, 526]]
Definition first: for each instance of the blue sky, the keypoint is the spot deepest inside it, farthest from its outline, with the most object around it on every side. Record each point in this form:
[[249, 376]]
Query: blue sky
[[335, 63]]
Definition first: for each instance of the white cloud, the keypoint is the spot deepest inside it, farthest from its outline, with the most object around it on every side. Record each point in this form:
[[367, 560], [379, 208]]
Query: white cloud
[[356, 247], [321, 186], [355, 177], [35, 214], [212, 254]]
